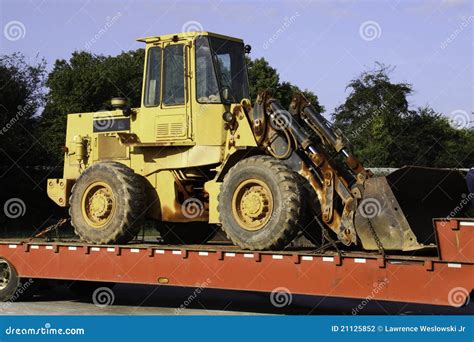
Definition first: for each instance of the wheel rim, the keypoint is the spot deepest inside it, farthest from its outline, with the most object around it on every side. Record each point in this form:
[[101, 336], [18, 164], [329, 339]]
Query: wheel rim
[[252, 204], [98, 204], [5, 274]]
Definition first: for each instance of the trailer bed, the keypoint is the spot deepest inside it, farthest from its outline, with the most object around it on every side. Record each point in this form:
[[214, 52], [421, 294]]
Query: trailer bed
[[446, 279]]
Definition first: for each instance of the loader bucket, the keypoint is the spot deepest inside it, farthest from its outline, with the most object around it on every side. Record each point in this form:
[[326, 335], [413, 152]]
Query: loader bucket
[[401, 206]]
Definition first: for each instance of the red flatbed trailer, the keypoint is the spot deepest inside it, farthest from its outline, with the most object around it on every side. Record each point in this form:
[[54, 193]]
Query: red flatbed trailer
[[444, 280]]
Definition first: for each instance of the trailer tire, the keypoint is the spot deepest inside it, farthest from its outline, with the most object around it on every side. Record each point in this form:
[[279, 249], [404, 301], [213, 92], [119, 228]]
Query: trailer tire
[[107, 204], [10, 282], [261, 204], [184, 233]]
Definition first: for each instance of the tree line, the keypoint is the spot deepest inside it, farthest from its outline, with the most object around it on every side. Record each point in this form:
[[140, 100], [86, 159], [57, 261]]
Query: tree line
[[376, 116]]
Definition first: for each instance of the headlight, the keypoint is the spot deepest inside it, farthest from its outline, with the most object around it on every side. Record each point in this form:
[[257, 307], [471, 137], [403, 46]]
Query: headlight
[[228, 117]]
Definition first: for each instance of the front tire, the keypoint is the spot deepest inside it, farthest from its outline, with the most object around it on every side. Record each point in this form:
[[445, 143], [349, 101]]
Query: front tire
[[310, 228], [261, 204], [107, 204]]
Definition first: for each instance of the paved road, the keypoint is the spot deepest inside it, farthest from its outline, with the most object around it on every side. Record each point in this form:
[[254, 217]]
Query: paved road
[[161, 300]]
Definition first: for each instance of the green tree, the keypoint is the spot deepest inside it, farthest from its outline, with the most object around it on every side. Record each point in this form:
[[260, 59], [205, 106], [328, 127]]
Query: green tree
[[262, 76], [86, 83], [430, 140], [21, 96], [384, 131]]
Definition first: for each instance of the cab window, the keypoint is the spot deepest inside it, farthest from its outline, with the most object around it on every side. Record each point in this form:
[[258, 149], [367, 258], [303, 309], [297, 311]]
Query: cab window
[[153, 77], [173, 75]]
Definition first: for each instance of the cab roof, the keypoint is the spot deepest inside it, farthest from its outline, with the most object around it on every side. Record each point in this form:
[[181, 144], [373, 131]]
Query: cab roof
[[185, 35]]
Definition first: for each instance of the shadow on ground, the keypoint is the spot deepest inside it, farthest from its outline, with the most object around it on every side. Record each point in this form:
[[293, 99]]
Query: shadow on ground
[[167, 300]]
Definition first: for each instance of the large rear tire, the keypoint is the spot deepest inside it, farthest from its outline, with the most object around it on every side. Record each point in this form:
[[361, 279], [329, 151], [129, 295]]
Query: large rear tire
[[261, 204], [107, 204]]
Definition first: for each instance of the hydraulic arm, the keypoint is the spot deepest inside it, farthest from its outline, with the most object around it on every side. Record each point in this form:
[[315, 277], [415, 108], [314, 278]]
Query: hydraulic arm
[[355, 205]]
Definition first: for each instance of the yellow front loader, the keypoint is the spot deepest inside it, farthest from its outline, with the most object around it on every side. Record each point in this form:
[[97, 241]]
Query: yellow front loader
[[198, 155]]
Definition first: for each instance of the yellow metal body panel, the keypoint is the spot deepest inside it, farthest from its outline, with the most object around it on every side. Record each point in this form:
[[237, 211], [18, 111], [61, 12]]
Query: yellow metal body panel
[[213, 188], [165, 139], [59, 190], [79, 126], [185, 35], [166, 206]]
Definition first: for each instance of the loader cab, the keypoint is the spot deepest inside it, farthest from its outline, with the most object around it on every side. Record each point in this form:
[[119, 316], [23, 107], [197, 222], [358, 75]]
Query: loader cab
[[190, 80], [221, 73]]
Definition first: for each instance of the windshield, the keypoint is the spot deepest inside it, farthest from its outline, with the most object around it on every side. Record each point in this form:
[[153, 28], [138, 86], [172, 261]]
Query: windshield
[[220, 70]]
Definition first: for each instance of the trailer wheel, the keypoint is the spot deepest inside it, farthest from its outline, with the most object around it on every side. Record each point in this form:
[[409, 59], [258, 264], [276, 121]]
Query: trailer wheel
[[9, 281], [107, 204], [193, 233], [261, 204]]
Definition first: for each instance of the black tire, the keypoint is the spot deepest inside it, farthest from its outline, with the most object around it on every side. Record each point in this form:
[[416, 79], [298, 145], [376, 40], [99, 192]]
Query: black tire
[[310, 227], [192, 233], [126, 219], [288, 206], [10, 281]]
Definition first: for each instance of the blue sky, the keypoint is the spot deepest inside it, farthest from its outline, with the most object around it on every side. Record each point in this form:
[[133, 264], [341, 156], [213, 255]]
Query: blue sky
[[319, 45]]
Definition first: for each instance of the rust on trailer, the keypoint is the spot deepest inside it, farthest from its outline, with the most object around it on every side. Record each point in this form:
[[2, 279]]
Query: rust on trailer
[[427, 280]]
